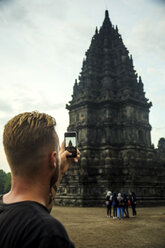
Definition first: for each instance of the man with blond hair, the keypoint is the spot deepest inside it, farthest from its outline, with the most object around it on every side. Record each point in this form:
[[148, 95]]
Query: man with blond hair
[[32, 149]]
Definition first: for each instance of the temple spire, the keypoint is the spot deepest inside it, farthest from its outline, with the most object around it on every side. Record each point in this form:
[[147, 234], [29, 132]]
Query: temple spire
[[107, 19], [107, 25], [106, 14]]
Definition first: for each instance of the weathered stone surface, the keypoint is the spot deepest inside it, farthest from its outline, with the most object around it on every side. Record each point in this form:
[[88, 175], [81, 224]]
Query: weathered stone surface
[[110, 112]]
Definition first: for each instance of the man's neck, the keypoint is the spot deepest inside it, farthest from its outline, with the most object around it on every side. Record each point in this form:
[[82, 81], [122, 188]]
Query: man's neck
[[28, 190]]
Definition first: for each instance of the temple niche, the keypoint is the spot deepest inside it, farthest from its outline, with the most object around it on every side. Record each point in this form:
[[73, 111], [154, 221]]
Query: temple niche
[[110, 113]]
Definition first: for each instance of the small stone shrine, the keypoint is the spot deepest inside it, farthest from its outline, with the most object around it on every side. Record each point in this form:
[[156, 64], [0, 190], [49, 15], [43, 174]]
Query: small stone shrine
[[110, 113]]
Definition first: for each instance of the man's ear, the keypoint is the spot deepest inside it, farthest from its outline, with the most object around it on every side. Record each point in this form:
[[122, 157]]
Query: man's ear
[[53, 159]]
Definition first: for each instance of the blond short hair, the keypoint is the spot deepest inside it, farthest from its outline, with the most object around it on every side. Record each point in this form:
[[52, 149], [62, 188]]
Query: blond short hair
[[25, 136]]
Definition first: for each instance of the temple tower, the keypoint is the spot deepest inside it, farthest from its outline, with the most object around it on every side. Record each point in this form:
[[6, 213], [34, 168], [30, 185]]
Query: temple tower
[[110, 112]]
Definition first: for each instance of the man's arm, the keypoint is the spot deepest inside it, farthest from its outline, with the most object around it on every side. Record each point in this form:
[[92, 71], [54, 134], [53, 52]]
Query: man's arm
[[64, 165]]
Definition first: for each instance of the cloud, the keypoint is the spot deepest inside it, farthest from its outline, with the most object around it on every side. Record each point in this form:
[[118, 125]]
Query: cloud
[[148, 39], [162, 2], [5, 1], [24, 97], [4, 106]]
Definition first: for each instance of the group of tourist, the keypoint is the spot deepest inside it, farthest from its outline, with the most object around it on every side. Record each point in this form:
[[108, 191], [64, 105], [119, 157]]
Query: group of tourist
[[120, 202]]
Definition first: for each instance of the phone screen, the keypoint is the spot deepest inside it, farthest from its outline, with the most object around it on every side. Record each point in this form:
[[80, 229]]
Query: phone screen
[[71, 143]]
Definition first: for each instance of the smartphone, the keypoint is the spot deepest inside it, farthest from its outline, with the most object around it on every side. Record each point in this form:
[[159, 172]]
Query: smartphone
[[70, 139]]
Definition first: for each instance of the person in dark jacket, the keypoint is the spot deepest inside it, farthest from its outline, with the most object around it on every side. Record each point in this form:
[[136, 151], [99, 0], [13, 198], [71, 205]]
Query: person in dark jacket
[[109, 203], [114, 205], [133, 203], [125, 207]]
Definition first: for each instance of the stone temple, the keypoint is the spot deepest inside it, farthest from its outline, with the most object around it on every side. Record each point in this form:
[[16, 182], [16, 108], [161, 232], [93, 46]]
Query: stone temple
[[110, 113]]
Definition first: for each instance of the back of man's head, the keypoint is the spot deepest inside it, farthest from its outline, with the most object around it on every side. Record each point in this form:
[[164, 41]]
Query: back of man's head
[[26, 138]]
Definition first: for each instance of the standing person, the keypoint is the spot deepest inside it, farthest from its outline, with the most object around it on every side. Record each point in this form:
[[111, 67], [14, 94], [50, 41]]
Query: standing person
[[32, 149], [120, 206], [125, 207], [109, 203], [133, 203], [114, 204]]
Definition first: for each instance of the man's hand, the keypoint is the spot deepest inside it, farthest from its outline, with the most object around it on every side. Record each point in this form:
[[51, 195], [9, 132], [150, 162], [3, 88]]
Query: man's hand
[[65, 161]]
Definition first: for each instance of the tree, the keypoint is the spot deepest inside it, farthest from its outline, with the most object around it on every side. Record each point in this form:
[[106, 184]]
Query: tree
[[2, 181], [5, 182]]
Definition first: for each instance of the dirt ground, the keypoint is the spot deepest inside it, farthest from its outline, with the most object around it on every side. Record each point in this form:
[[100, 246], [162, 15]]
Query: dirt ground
[[90, 228]]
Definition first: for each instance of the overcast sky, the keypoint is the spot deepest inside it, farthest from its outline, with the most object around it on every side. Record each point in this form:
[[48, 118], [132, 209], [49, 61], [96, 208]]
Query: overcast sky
[[43, 43]]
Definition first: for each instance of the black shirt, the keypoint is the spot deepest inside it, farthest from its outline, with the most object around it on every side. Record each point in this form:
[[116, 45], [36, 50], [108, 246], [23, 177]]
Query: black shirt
[[28, 224]]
